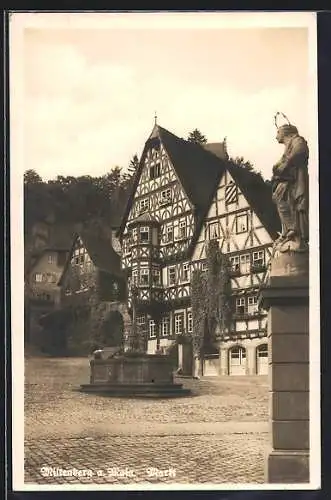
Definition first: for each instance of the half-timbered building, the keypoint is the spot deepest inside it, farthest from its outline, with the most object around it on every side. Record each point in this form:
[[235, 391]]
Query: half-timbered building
[[184, 195], [93, 289]]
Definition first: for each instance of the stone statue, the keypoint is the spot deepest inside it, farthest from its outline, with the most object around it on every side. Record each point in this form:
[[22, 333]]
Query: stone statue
[[290, 189]]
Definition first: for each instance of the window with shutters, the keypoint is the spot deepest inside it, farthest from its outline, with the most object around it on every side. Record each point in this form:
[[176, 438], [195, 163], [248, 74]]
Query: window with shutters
[[231, 193]]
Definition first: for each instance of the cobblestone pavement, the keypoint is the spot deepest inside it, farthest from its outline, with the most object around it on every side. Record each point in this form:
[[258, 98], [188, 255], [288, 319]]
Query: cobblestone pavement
[[218, 435]]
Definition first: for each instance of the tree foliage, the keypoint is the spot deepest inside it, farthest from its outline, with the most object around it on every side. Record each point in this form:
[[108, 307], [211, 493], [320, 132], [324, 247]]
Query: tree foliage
[[246, 164], [211, 300], [70, 199], [196, 137]]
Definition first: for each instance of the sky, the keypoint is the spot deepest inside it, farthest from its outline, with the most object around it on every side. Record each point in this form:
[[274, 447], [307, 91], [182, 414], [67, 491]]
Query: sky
[[90, 93]]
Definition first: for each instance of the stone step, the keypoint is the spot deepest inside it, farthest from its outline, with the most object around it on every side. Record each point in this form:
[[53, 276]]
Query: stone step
[[137, 390]]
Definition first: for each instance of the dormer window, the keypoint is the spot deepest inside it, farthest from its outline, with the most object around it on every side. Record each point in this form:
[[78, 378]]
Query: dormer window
[[165, 197], [144, 234]]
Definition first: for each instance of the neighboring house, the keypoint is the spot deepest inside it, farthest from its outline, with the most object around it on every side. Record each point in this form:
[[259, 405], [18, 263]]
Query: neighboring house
[[48, 252], [93, 291], [183, 196]]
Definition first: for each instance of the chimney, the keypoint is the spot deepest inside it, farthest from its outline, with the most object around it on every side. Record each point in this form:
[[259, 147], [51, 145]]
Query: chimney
[[225, 147]]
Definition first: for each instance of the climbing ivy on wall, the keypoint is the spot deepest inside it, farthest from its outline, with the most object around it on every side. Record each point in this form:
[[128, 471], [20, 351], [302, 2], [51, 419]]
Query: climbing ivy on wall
[[211, 298]]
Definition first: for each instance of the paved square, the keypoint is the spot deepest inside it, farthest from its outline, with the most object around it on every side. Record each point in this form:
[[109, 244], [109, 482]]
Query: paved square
[[218, 435]]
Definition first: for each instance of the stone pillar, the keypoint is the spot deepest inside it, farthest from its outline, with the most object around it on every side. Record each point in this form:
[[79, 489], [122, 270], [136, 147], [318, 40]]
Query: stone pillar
[[286, 297], [224, 361], [180, 356], [251, 359]]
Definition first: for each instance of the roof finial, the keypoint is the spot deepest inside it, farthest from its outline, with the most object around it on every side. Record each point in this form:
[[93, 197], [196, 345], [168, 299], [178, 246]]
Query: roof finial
[[155, 119]]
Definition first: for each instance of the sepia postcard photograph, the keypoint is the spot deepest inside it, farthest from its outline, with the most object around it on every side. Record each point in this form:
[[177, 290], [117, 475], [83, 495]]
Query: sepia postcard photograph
[[164, 251]]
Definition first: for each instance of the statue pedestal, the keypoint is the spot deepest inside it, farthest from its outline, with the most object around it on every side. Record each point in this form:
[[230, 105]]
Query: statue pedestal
[[286, 298]]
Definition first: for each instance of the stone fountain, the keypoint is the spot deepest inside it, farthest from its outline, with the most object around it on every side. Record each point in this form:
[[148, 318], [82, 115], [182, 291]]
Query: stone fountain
[[132, 372]]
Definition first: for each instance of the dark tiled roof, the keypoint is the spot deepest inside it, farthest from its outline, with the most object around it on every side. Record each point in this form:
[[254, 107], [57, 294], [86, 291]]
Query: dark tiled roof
[[198, 170], [100, 251], [60, 237], [217, 148], [259, 196], [146, 217]]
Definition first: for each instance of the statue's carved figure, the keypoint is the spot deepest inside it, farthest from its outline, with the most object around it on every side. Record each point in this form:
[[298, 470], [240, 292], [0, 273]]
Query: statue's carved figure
[[290, 189]]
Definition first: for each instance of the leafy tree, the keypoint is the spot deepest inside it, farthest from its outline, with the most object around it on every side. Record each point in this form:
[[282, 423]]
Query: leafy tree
[[133, 165], [197, 137], [241, 162], [247, 165], [31, 177]]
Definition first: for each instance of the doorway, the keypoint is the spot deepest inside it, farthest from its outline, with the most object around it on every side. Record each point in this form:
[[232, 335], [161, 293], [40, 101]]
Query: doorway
[[237, 361]]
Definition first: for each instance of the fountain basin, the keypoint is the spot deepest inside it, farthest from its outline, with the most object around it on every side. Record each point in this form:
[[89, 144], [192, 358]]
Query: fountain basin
[[134, 375]]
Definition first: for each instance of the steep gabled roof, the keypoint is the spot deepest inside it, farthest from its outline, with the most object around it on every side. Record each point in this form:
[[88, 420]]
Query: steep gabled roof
[[197, 169], [100, 251]]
